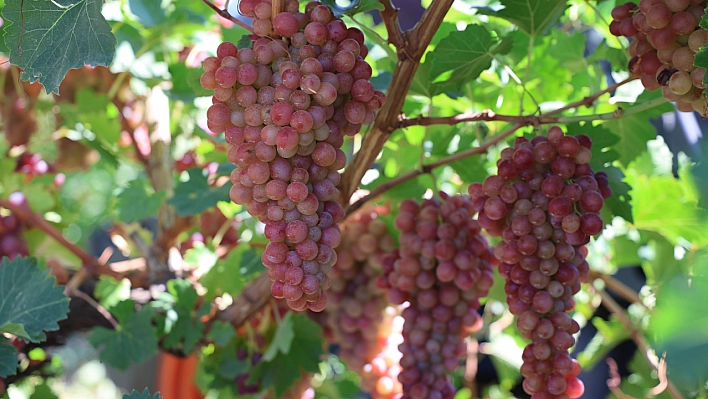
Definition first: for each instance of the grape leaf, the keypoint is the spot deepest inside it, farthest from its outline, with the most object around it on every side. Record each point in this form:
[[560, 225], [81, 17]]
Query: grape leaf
[[43, 391], [136, 202], [355, 7], [463, 55], [47, 38], [282, 340], [221, 333], [30, 298], [144, 395], [132, 342], [620, 202], [8, 358], [609, 334], [535, 17], [149, 12], [94, 112], [243, 42], [679, 324], [659, 204], [701, 58], [180, 302], [194, 196], [110, 291], [233, 273], [285, 368]]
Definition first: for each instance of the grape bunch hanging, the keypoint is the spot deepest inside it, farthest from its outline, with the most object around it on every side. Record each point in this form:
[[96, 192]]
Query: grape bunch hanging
[[443, 268], [285, 106], [665, 39], [12, 241], [544, 202], [358, 316]]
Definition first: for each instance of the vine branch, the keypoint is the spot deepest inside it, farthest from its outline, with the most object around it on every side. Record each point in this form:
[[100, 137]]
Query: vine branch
[[490, 116], [427, 168], [225, 14], [389, 16], [251, 299], [409, 55], [89, 265], [642, 344], [618, 288]]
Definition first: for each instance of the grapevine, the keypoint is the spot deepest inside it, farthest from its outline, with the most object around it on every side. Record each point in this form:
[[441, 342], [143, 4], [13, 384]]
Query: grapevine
[[285, 106], [665, 39], [358, 316], [442, 269], [544, 202]]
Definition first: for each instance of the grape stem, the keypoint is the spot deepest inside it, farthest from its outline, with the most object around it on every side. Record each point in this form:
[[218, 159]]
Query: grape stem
[[427, 168], [491, 116], [618, 288], [99, 308], [90, 265], [482, 148], [415, 42], [225, 14], [389, 15], [643, 346]]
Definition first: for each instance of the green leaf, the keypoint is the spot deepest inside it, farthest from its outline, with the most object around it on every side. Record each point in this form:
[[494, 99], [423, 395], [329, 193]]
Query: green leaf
[[679, 325], [535, 17], [145, 395], [30, 298], [625, 252], [132, 342], [285, 368], [634, 131], [244, 42], [233, 273], [194, 196], [620, 202], [465, 54], [43, 391], [187, 329], [149, 12], [94, 112], [609, 334], [136, 202], [8, 358], [110, 291], [47, 38], [221, 333], [659, 204], [17, 330], [282, 340], [355, 7], [701, 58]]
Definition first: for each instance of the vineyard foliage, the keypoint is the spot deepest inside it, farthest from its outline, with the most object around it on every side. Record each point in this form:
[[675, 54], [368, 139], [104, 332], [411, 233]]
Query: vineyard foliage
[[118, 222]]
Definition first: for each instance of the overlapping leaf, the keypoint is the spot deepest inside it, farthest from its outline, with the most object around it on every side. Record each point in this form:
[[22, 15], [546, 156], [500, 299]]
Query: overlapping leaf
[[131, 343], [30, 300], [194, 196], [47, 38], [535, 17]]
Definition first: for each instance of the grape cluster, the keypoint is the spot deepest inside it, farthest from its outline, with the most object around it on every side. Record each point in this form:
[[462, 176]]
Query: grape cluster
[[31, 165], [666, 37], [285, 106], [12, 242], [544, 203], [242, 385], [442, 268], [357, 316]]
